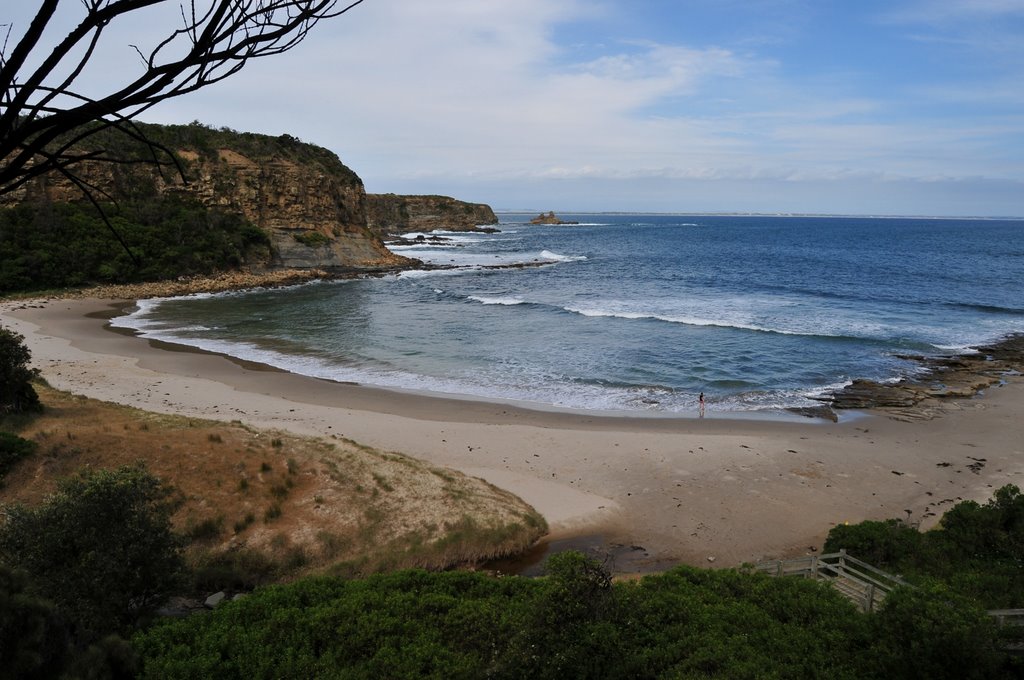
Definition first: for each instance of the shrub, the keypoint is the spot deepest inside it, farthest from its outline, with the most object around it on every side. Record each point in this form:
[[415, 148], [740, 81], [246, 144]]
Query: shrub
[[272, 513], [203, 530], [884, 544], [977, 550], [992, 531], [33, 637], [16, 392], [312, 239], [12, 449], [930, 632], [101, 547], [241, 569]]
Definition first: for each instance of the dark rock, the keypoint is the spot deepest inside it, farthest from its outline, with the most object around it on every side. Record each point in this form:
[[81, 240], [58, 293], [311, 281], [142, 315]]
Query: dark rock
[[945, 377], [824, 412], [549, 218]]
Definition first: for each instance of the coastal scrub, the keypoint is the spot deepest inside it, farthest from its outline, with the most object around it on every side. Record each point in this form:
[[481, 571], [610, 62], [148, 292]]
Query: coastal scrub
[[16, 392]]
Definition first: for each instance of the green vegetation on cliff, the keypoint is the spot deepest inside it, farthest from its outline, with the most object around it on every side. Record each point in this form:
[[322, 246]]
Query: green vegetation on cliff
[[56, 245], [207, 141], [196, 200]]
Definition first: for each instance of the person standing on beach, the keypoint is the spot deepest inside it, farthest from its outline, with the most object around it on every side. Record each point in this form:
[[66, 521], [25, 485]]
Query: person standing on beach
[[701, 400]]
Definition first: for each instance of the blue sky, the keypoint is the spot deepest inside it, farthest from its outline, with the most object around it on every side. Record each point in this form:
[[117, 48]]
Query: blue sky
[[854, 107]]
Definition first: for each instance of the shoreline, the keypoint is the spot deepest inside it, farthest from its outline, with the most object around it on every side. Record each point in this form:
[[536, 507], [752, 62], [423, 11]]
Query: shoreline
[[683, 488]]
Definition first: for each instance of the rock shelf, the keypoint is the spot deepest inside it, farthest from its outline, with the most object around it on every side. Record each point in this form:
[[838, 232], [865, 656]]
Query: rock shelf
[[944, 379]]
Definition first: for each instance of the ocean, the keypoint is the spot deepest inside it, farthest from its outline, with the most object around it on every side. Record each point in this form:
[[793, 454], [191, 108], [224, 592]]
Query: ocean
[[635, 313]]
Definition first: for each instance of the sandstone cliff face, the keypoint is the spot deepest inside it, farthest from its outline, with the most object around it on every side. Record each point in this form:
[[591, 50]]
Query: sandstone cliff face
[[312, 206], [316, 216], [394, 214]]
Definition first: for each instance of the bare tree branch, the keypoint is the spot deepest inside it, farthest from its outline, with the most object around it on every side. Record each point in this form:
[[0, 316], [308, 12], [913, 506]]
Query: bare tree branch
[[216, 38]]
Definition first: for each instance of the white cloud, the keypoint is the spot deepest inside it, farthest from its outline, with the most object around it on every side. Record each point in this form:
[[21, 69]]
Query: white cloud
[[490, 93], [413, 88]]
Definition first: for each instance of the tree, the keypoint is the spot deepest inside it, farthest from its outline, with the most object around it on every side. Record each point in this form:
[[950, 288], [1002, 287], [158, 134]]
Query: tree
[[885, 544], [45, 117], [16, 392], [33, 638], [101, 548], [931, 632]]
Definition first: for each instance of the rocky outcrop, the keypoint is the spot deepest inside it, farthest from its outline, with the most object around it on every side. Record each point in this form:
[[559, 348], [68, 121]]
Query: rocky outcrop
[[312, 205], [549, 218], [390, 214], [945, 378]]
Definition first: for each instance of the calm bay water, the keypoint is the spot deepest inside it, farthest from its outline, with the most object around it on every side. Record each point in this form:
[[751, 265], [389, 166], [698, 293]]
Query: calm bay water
[[636, 312]]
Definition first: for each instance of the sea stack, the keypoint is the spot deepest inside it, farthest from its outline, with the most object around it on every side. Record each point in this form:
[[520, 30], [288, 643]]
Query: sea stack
[[549, 218]]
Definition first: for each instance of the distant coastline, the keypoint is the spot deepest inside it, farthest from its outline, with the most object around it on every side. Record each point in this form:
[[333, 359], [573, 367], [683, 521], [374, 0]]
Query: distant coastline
[[529, 211]]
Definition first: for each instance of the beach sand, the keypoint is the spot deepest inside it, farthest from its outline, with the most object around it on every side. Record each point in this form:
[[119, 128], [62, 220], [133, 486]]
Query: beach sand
[[721, 490]]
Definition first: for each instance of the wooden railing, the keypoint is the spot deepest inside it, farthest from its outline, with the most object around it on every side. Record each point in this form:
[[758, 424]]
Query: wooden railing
[[867, 586], [862, 583], [1012, 640]]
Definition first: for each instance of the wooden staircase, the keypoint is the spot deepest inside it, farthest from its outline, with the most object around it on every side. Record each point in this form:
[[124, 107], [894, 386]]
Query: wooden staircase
[[865, 585]]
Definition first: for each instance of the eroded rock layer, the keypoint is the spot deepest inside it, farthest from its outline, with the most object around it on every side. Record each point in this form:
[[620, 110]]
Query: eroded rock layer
[[389, 214], [945, 378]]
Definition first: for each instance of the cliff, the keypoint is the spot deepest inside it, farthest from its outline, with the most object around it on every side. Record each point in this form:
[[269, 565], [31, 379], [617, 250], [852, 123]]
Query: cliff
[[393, 214], [309, 203]]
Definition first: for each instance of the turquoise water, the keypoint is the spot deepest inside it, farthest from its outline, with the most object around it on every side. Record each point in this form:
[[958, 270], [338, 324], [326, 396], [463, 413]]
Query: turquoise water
[[637, 312]]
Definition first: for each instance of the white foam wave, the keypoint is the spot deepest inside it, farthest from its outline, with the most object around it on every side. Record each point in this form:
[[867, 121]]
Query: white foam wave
[[546, 390], [959, 349], [430, 273], [135, 320], [687, 320], [465, 258], [497, 300], [557, 257], [448, 237], [404, 248]]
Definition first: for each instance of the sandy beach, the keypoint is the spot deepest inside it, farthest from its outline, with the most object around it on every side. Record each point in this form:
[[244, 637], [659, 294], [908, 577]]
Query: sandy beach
[[720, 490]]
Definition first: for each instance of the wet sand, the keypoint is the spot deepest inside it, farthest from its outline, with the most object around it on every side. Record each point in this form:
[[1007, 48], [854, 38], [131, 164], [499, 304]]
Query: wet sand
[[717, 490]]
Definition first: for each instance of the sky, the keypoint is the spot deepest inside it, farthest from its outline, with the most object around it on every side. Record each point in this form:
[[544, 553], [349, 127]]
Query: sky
[[912, 107]]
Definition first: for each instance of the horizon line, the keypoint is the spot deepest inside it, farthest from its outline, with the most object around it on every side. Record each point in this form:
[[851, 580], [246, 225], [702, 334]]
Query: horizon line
[[713, 213]]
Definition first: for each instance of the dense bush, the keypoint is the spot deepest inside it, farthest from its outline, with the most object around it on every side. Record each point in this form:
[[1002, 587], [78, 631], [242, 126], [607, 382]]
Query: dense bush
[[930, 632], [36, 641], [56, 245], [100, 548], [33, 636], [977, 550], [885, 544], [685, 623], [16, 392]]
